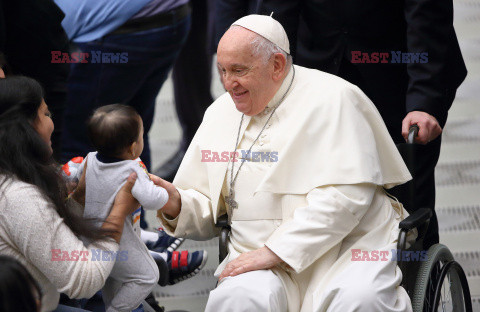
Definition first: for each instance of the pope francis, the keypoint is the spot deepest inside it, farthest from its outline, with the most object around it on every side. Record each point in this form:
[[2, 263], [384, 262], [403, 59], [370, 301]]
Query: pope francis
[[300, 160]]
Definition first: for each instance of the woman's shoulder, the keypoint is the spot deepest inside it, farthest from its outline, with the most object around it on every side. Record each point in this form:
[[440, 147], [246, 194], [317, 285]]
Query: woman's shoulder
[[14, 186], [26, 202], [13, 189]]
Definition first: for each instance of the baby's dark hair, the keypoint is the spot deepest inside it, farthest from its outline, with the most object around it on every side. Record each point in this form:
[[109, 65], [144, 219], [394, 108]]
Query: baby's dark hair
[[113, 128]]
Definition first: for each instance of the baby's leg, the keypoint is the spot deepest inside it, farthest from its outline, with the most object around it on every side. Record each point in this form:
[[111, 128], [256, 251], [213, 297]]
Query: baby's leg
[[127, 298], [135, 270], [109, 290]]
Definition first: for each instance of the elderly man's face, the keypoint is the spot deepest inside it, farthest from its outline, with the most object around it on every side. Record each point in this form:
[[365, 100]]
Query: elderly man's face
[[245, 76]]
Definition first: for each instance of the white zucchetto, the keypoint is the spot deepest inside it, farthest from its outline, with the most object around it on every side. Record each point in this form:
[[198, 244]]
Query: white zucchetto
[[266, 27]]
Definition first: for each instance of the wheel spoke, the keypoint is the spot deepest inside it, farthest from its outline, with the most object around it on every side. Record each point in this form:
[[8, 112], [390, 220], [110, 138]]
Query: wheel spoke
[[446, 288]]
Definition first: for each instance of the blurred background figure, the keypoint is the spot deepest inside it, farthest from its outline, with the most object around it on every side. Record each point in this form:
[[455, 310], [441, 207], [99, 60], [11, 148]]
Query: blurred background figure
[[29, 31], [228, 11], [192, 74], [18, 290], [131, 46], [405, 92]]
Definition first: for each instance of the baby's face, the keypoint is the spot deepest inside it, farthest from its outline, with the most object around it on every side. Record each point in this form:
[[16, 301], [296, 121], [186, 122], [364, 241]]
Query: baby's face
[[139, 145]]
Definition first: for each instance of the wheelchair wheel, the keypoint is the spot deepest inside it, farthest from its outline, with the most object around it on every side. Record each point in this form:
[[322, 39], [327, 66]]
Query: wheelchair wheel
[[441, 284]]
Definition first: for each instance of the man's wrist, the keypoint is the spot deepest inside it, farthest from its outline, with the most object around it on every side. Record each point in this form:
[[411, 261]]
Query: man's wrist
[[171, 212]]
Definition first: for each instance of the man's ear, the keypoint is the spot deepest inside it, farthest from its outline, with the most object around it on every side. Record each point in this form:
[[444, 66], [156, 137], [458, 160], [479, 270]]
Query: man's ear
[[279, 66]]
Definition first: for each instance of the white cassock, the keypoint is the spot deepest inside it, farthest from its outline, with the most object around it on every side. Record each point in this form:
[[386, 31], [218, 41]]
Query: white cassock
[[320, 196]]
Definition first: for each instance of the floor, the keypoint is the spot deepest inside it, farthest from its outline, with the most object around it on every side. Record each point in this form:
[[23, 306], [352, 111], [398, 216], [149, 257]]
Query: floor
[[457, 175]]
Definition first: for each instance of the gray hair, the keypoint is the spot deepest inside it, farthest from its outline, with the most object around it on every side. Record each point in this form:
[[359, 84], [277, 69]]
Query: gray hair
[[264, 48]]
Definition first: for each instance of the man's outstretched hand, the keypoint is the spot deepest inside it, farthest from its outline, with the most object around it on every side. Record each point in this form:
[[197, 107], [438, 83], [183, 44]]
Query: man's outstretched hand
[[174, 204], [429, 128], [260, 259]]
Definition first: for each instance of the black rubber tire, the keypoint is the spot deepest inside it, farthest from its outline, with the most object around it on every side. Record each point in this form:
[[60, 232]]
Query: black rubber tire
[[436, 253]]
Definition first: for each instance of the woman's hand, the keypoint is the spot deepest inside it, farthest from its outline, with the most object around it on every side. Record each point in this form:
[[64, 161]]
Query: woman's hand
[[124, 205], [174, 204]]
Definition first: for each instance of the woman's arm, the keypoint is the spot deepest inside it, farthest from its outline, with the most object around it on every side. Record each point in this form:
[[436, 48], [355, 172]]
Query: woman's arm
[[41, 236]]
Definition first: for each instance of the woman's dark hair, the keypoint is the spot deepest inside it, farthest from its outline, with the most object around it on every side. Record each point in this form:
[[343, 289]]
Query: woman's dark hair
[[113, 128], [25, 156], [18, 289]]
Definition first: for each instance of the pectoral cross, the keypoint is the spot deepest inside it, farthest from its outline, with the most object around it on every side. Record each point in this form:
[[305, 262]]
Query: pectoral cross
[[231, 201]]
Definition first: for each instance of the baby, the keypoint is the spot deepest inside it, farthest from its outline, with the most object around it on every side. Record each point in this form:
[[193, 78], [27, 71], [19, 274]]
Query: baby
[[116, 132]]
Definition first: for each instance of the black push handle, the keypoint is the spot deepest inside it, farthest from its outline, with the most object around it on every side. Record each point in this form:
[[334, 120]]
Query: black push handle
[[412, 133]]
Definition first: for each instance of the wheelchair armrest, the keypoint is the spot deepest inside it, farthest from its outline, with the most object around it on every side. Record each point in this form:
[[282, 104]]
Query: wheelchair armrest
[[222, 221], [419, 217]]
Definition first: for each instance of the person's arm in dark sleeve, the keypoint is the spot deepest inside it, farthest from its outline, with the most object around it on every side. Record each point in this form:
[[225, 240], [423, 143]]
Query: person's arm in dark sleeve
[[227, 12], [429, 30]]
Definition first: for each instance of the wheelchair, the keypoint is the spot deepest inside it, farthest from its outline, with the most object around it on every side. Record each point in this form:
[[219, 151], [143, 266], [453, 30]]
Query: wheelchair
[[433, 280], [438, 283]]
